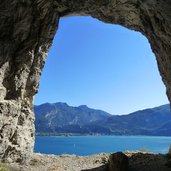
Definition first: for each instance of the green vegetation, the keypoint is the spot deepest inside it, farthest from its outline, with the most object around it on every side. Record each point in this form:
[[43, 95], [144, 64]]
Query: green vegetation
[[3, 168]]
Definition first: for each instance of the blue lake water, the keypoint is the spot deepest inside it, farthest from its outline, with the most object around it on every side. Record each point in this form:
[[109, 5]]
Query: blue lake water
[[88, 145]]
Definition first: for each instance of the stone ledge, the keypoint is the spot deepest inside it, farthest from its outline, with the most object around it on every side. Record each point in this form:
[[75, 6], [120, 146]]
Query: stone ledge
[[138, 161]]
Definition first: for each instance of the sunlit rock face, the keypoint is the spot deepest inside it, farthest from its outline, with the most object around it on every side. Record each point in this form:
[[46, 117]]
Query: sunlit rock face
[[27, 29]]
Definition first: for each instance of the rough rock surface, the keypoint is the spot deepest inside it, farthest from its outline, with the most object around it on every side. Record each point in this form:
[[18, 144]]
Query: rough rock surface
[[27, 29], [137, 162], [118, 162]]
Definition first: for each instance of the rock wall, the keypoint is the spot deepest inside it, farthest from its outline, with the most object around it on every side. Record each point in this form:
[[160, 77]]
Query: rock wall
[[27, 29]]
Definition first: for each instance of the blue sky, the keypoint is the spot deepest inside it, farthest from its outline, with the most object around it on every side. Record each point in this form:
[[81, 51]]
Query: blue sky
[[103, 66]]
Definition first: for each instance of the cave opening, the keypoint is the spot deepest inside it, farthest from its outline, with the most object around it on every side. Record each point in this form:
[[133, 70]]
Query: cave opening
[[102, 66], [27, 31], [88, 54]]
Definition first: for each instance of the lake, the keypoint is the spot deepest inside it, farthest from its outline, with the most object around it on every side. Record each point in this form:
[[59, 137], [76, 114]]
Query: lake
[[88, 145]]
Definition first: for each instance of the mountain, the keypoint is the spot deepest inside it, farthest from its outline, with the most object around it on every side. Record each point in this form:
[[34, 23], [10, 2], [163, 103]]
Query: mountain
[[61, 118], [155, 121]]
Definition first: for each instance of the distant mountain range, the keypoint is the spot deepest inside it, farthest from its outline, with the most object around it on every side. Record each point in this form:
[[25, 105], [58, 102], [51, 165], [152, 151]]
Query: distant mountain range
[[60, 118]]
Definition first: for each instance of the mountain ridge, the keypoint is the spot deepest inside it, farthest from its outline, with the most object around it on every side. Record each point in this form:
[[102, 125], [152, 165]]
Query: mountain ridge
[[59, 118]]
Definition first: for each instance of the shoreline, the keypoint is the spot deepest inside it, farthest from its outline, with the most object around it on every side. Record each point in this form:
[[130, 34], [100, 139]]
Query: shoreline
[[72, 135]]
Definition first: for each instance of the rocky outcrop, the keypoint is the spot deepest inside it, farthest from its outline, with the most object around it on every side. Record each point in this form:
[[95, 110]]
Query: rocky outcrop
[[27, 29], [138, 161], [118, 162]]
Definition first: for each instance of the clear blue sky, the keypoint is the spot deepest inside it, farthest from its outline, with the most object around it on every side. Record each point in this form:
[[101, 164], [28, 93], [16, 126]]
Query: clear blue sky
[[103, 66]]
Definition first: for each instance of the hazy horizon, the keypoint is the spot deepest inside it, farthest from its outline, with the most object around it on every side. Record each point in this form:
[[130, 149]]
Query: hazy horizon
[[103, 66]]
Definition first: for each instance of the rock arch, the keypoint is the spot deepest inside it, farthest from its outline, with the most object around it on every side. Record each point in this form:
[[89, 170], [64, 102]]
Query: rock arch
[[27, 29]]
